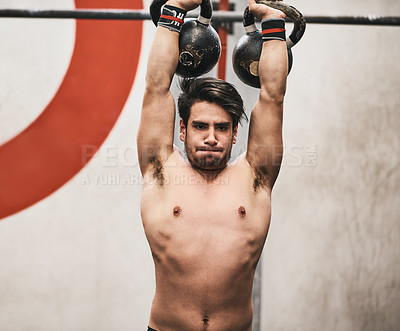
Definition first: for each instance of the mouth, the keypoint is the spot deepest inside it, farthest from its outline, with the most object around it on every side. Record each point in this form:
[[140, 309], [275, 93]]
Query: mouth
[[209, 150]]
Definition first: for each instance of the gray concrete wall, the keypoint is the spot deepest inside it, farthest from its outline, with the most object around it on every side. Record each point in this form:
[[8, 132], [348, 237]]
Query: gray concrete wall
[[331, 261], [78, 260]]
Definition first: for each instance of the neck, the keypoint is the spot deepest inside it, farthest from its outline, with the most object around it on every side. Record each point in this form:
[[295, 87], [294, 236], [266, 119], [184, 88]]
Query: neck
[[209, 174]]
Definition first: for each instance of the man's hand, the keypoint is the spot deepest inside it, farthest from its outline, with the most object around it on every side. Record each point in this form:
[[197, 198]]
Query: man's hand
[[262, 11], [184, 4]]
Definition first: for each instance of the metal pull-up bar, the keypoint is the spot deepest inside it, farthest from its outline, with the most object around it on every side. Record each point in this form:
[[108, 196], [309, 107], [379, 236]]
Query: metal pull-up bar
[[221, 16]]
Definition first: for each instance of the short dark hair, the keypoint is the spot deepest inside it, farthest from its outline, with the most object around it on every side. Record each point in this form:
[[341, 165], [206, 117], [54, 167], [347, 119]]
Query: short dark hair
[[211, 90]]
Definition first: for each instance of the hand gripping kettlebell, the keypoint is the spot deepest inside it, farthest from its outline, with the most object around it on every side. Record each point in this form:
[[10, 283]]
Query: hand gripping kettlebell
[[199, 44], [247, 51]]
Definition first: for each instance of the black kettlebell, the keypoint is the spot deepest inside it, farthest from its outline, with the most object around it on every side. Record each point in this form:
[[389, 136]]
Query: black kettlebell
[[247, 51], [199, 43]]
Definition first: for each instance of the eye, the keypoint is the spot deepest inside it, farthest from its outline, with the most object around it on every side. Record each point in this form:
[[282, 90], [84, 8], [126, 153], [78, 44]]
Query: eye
[[222, 128], [200, 127]]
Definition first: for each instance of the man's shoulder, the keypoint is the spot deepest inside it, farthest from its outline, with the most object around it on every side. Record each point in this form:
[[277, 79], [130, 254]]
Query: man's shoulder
[[158, 175], [176, 162], [241, 169], [239, 164]]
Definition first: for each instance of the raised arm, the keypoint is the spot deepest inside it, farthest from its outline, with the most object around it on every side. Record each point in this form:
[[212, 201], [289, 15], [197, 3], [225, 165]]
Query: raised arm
[[156, 131], [265, 150]]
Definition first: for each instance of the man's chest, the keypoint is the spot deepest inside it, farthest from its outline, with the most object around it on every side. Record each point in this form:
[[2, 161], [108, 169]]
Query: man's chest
[[225, 206], [185, 222]]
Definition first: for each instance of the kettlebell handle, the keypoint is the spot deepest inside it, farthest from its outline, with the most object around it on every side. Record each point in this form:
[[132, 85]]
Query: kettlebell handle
[[291, 12], [204, 16]]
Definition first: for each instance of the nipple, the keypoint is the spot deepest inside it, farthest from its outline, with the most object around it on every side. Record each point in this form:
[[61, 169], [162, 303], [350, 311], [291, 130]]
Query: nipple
[[177, 211], [241, 211]]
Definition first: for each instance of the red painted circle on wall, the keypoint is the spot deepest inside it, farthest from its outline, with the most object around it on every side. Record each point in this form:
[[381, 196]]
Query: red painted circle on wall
[[48, 153]]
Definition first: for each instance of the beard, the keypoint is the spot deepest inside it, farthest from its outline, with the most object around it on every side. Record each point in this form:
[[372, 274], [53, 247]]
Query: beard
[[207, 162]]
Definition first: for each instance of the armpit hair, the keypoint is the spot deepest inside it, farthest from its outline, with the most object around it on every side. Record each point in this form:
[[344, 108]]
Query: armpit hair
[[157, 169], [261, 178]]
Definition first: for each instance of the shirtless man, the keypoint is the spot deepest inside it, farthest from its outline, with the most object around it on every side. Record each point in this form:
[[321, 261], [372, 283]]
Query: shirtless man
[[206, 220]]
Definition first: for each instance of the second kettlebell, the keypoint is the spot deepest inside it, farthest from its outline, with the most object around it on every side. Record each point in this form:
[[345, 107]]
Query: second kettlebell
[[247, 51]]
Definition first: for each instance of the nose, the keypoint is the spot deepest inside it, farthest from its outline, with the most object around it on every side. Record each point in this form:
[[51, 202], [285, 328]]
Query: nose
[[211, 139]]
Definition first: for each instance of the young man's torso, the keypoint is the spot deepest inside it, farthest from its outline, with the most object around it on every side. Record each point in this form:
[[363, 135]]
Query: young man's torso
[[206, 238]]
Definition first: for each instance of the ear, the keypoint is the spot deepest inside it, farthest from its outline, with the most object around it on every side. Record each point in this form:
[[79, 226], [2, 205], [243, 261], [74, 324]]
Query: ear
[[182, 130], [234, 136]]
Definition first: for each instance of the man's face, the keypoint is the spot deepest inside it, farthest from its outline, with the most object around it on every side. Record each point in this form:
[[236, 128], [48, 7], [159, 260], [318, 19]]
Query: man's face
[[208, 137]]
